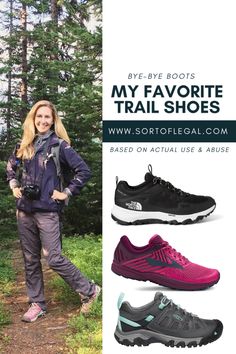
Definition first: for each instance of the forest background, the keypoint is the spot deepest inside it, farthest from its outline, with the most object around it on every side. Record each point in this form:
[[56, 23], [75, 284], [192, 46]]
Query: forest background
[[52, 50]]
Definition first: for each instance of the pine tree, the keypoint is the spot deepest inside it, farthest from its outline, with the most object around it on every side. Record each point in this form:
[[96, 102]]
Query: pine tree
[[9, 78], [10, 105], [53, 56], [24, 65]]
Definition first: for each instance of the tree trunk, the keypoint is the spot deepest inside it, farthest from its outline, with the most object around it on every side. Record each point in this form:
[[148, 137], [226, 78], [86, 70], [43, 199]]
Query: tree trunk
[[9, 76], [54, 12], [23, 86], [54, 52]]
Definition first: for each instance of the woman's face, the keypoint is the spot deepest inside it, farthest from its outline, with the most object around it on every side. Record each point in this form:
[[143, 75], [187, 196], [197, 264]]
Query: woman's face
[[43, 119]]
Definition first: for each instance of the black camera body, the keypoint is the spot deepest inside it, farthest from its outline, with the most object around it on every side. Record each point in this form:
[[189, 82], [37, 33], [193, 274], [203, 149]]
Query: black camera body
[[31, 192]]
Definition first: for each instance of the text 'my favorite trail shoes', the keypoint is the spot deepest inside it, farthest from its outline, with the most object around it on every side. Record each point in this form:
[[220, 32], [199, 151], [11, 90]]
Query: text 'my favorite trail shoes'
[[158, 201], [161, 321], [159, 263]]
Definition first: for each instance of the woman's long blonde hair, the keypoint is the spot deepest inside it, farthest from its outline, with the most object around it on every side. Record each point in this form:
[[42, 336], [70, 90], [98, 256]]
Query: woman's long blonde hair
[[26, 150]]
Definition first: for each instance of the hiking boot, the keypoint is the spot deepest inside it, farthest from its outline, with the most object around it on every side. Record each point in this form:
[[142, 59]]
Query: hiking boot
[[159, 263], [33, 313], [161, 321], [158, 201], [89, 300]]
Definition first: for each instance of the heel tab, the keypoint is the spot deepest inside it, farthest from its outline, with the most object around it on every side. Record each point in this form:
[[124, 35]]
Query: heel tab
[[117, 180], [150, 169], [120, 300], [125, 239], [126, 242]]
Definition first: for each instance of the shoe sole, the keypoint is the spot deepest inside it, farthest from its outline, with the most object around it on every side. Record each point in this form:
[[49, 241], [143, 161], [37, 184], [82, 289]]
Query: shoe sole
[[132, 217], [160, 279], [144, 337]]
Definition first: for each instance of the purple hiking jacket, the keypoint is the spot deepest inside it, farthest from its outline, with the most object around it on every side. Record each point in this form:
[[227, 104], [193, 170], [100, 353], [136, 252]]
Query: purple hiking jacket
[[49, 181]]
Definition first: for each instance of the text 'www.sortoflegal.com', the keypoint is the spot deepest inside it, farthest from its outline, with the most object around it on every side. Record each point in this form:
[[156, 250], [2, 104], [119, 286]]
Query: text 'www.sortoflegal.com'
[[167, 131]]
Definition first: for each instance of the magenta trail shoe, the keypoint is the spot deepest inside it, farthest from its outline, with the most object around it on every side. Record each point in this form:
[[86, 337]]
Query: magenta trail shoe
[[33, 313], [159, 263]]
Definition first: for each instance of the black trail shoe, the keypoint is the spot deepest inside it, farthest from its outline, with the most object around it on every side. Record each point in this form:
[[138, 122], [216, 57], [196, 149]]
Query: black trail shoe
[[161, 321], [158, 201]]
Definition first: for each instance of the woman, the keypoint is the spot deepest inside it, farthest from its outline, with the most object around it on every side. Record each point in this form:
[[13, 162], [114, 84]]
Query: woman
[[39, 200]]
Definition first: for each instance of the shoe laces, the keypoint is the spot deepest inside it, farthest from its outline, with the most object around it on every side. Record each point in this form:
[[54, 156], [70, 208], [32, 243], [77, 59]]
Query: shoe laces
[[169, 302], [174, 254], [168, 185]]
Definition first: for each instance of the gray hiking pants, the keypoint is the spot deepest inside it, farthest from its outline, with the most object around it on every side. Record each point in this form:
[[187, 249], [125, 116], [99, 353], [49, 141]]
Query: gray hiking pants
[[41, 231]]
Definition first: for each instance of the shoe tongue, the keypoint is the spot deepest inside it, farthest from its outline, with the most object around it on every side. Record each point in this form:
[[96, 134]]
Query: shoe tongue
[[155, 240], [158, 296], [148, 177]]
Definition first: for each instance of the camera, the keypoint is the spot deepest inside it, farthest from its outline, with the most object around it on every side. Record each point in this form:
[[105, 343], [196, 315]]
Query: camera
[[31, 192]]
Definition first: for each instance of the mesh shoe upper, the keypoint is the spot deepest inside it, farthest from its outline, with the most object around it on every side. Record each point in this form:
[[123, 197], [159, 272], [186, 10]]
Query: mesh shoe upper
[[158, 257], [33, 313], [155, 194], [162, 315]]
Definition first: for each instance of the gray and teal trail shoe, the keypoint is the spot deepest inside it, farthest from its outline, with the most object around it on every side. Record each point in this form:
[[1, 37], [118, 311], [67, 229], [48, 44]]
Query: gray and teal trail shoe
[[161, 321]]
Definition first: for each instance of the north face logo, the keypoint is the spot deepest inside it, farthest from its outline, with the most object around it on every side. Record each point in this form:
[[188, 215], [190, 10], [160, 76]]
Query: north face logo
[[134, 205]]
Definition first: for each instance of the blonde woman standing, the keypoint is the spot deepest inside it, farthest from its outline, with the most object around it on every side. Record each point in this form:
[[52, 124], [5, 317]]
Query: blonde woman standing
[[39, 200]]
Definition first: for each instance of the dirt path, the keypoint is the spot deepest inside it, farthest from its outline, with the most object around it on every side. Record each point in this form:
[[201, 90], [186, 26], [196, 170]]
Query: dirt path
[[46, 335]]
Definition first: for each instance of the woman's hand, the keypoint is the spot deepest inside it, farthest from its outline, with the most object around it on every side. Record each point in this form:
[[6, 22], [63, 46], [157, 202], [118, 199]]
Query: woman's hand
[[59, 195], [17, 192]]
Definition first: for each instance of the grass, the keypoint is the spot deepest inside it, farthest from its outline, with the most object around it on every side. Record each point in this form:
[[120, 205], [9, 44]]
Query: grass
[[5, 317], [4, 340], [7, 272], [86, 335], [7, 275], [86, 332]]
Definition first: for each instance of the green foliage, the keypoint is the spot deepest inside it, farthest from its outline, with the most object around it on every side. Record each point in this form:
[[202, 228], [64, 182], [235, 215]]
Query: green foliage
[[3, 179], [5, 317], [64, 66], [86, 253], [4, 340], [7, 273], [86, 332], [7, 206], [7, 234], [87, 336]]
